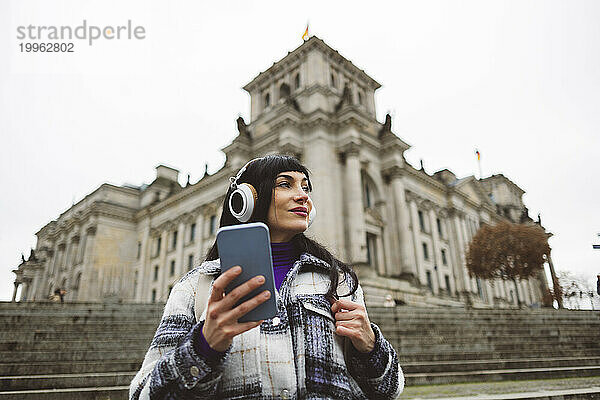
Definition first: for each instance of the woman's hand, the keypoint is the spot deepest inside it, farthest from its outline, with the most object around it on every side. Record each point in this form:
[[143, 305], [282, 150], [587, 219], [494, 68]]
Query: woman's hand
[[221, 324], [351, 320]]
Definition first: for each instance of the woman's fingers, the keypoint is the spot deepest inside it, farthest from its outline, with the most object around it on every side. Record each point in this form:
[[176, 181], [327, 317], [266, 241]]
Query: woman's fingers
[[345, 305], [218, 288], [348, 315], [242, 290], [246, 326], [248, 305]]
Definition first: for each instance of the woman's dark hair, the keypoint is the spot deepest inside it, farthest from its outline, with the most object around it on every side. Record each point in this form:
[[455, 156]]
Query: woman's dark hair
[[261, 174]]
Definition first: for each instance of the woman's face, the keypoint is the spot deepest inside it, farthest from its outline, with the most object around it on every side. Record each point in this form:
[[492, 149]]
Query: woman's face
[[290, 205]]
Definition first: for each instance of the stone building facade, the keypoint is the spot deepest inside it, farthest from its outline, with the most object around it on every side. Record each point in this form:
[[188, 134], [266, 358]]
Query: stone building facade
[[404, 231]]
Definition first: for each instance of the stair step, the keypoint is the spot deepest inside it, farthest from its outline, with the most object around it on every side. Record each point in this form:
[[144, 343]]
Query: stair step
[[500, 374], [65, 381]]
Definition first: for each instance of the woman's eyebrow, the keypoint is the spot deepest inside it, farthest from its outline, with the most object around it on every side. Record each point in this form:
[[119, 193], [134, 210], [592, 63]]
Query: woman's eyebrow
[[290, 177]]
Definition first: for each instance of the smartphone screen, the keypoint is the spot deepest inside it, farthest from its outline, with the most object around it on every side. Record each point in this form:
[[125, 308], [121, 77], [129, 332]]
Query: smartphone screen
[[249, 246]]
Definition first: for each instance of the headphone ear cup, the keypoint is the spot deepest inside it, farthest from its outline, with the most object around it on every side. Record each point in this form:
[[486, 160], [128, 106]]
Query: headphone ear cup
[[242, 202], [311, 215]]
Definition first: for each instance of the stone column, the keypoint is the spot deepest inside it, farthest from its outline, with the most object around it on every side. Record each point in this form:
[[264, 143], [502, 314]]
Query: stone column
[[466, 239], [162, 265], [357, 239], [322, 161], [388, 268], [25, 290], [180, 269], [144, 266], [458, 250], [414, 214], [14, 296], [89, 284], [437, 257], [405, 260], [198, 252]]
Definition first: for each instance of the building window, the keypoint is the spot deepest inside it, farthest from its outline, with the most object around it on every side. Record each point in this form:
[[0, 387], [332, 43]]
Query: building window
[[154, 295], [158, 244], [372, 250], [479, 288], [444, 259], [190, 262], [139, 250], [267, 100], [213, 224], [421, 220], [447, 280], [360, 98], [155, 273], [297, 81], [192, 232], [172, 269], [174, 240], [425, 251], [284, 91], [439, 227], [368, 203], [429, 281], [332, 77]]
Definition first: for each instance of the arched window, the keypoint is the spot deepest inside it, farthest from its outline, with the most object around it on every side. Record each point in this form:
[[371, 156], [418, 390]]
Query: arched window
[[332, 77], [284, 91], [370, 192], [267, 100], [297, 81], [360, 98]]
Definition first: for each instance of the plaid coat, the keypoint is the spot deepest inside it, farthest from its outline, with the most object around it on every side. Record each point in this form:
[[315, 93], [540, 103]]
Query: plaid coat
[[294, 356]]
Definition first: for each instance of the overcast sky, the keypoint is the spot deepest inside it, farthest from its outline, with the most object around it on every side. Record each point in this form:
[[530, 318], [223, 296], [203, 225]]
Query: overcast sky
[[518, 80]]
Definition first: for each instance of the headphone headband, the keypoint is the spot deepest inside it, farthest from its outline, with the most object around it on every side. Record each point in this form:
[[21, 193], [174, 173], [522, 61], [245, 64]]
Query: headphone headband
[[233, 180]]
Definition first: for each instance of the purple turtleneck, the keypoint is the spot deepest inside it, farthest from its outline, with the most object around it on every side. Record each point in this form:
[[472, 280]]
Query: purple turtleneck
[[283, 259], [283, 256]]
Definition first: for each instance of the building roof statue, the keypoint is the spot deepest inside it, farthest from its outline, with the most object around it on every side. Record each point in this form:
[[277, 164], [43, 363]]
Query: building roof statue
[[242, 128], [346, 97], [386, 127]]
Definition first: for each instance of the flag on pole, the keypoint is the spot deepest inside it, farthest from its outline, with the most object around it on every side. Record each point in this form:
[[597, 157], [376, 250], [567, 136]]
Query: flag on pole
[[305, 35], [478, 155]]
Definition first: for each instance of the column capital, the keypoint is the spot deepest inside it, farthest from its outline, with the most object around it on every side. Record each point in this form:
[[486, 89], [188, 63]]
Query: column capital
[[351, 149], [455, 212], [393, 172]]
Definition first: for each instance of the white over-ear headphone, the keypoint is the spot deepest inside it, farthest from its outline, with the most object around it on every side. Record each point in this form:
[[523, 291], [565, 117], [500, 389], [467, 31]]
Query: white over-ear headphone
[[244, 198]]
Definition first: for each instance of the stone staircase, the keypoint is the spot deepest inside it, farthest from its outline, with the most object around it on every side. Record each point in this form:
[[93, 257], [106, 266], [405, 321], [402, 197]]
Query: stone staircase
[[439, 346], [73, 350], [92, 350]]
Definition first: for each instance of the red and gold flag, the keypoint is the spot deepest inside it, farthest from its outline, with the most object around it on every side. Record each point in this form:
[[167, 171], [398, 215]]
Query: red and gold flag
[[305, 35]]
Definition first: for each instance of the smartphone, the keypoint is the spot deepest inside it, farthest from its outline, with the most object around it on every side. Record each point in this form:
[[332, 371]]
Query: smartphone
[[249, 246]]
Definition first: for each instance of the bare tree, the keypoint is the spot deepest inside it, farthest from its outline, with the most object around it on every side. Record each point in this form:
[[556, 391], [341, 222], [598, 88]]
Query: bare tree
[[508, 251], [577, 290]]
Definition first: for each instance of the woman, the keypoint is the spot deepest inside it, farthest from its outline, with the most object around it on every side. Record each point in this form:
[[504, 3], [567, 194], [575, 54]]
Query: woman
[[321, 343]]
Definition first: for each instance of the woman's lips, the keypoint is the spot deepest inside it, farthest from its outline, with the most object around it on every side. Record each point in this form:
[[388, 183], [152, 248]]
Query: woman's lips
[[300, 213]]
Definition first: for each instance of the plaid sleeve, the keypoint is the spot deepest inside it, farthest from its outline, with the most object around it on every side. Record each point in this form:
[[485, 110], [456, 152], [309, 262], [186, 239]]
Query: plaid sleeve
[[172, 369], [378, 373]]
